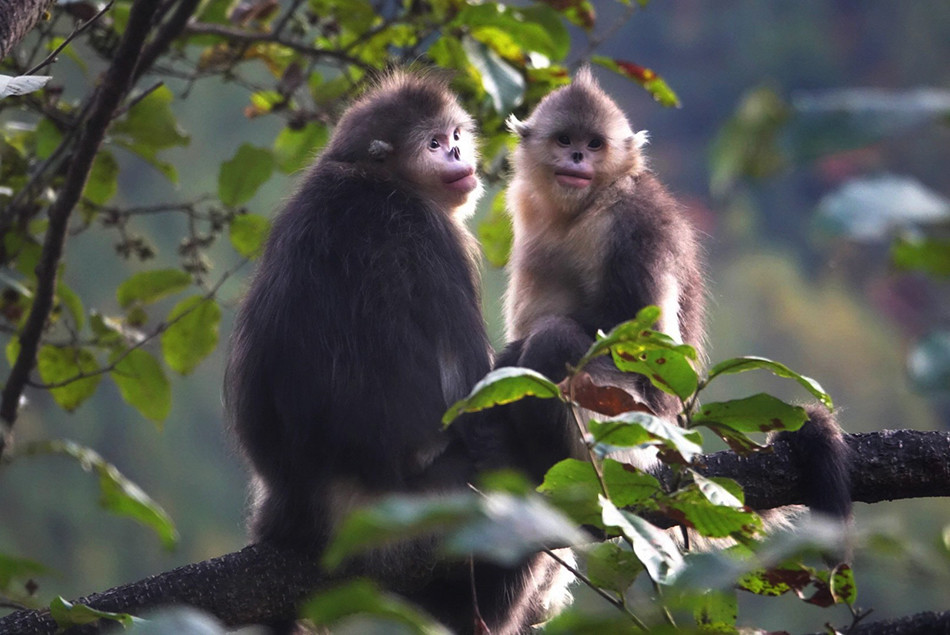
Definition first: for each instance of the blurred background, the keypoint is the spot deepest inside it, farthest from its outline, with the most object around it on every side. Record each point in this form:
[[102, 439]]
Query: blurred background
[[811, 135]]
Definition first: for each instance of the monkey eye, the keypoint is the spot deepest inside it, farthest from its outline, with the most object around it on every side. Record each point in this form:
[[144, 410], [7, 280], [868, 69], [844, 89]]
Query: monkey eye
[[564, 140], [457, 134], [596, 144], [433, 143]]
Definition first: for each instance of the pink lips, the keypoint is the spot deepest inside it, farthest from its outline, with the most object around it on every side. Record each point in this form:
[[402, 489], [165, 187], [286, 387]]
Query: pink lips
[[462, 179], [573, 178]]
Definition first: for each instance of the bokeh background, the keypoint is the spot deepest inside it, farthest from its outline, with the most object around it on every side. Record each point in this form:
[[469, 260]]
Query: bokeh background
[[793, 276]]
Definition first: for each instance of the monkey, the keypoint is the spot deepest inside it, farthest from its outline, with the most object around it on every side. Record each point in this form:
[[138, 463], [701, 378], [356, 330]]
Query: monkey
[[361, 325], [597, 237]]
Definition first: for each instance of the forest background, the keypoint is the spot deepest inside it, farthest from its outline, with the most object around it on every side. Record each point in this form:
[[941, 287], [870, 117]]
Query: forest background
[[795, 274]]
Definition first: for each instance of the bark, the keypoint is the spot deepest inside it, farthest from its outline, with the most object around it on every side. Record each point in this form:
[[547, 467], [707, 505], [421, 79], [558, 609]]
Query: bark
[[17, 17], [262, 583]]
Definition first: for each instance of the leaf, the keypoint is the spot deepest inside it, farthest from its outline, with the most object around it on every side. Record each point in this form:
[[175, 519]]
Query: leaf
[[612, 566], [192, 333], [143, 384], [147, 287], [21, 85], [652, 546], [67, 364], [73, 304], [248, 234], [103, 179], [502, 386], [504, 84], [67, 614], [653, 83], [295, 149], [495, 232], [48, 138], [536, 29], [916, 253], [606, 400], [743, 364], [842, 584], [12, 568], [395, 518], [149, 127], [716, 493], [119, 495], [694, 508], [758, 413], [240, 178], [362, 597], [637, 428]]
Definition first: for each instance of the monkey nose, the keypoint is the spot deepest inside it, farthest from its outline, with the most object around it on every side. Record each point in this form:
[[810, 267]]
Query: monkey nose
[[577, 157], [456, 153]]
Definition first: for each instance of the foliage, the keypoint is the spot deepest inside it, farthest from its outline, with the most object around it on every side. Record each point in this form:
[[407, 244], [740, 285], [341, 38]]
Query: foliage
[[624, 502]]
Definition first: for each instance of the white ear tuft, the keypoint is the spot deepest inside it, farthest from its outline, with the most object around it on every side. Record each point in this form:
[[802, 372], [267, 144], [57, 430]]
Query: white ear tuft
[[517, 126], [379, 149], [641, 138]]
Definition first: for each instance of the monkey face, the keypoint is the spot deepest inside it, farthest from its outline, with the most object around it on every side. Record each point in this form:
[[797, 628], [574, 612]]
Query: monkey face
[[444, 168], [577, 159]]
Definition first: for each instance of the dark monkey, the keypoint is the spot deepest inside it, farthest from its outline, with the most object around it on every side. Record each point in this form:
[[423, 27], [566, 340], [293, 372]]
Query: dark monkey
[[359, 329], [597, 238]]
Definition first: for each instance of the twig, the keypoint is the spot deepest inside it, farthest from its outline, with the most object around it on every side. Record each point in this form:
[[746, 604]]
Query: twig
[[114, 87], [82, 27]]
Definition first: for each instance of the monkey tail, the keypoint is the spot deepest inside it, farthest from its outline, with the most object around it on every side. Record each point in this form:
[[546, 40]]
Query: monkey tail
[[824, 459]]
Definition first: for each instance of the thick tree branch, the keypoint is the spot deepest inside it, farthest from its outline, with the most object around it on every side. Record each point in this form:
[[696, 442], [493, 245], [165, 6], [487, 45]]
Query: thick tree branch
[[114, 87], [19, 16], [262, 583]]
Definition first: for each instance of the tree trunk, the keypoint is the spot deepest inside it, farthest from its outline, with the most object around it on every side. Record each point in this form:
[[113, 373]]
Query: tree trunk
[[17, 17]]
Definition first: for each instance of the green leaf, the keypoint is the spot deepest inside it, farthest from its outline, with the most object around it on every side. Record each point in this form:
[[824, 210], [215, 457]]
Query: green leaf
[[513, 31], [240, 178], [248, 234], [743, 364], [143, 384], [652, 546], [147, 287], [612, 566], [395, 518], [12, 568], [758, 413], [295, 149], [362, 597], [67, 614], [12, 350], [717, 612], [915, 253], [103, 178], [73, 304], [710, 518], [67, 364], [192, 333], [119, 495], [653, 83], [149, 127], [502, 386], [504, 84], [636, 428], [495, 232], [719, 491], [843, 587], [48, 138]]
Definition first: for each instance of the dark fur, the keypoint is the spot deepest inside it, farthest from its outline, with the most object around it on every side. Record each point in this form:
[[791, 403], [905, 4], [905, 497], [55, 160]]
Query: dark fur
[[642, 237], [335, 380]]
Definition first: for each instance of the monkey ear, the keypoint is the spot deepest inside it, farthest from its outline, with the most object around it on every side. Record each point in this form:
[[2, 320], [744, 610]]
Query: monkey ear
[[517, 126], [640, 139], [379, 149]]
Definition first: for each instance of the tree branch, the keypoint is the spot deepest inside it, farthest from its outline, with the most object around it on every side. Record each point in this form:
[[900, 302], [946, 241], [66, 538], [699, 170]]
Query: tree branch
[[115, 86], [262, 583]]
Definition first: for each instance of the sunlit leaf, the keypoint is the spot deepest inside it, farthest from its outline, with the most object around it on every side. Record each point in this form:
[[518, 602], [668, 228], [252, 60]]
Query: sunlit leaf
[[743, 364], [192, 334], [73, 304], [241, 176], [48, 138], [67, 614], [69, 364], [652, 546], [103, 178], [143, 384], [502, 386], [295, 149], [916, 253], [495, 233], [653, 83], [504, 84], [637, 428], [248, 233], [119, 495], [147, 287], [14, 568], [758, 413]]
